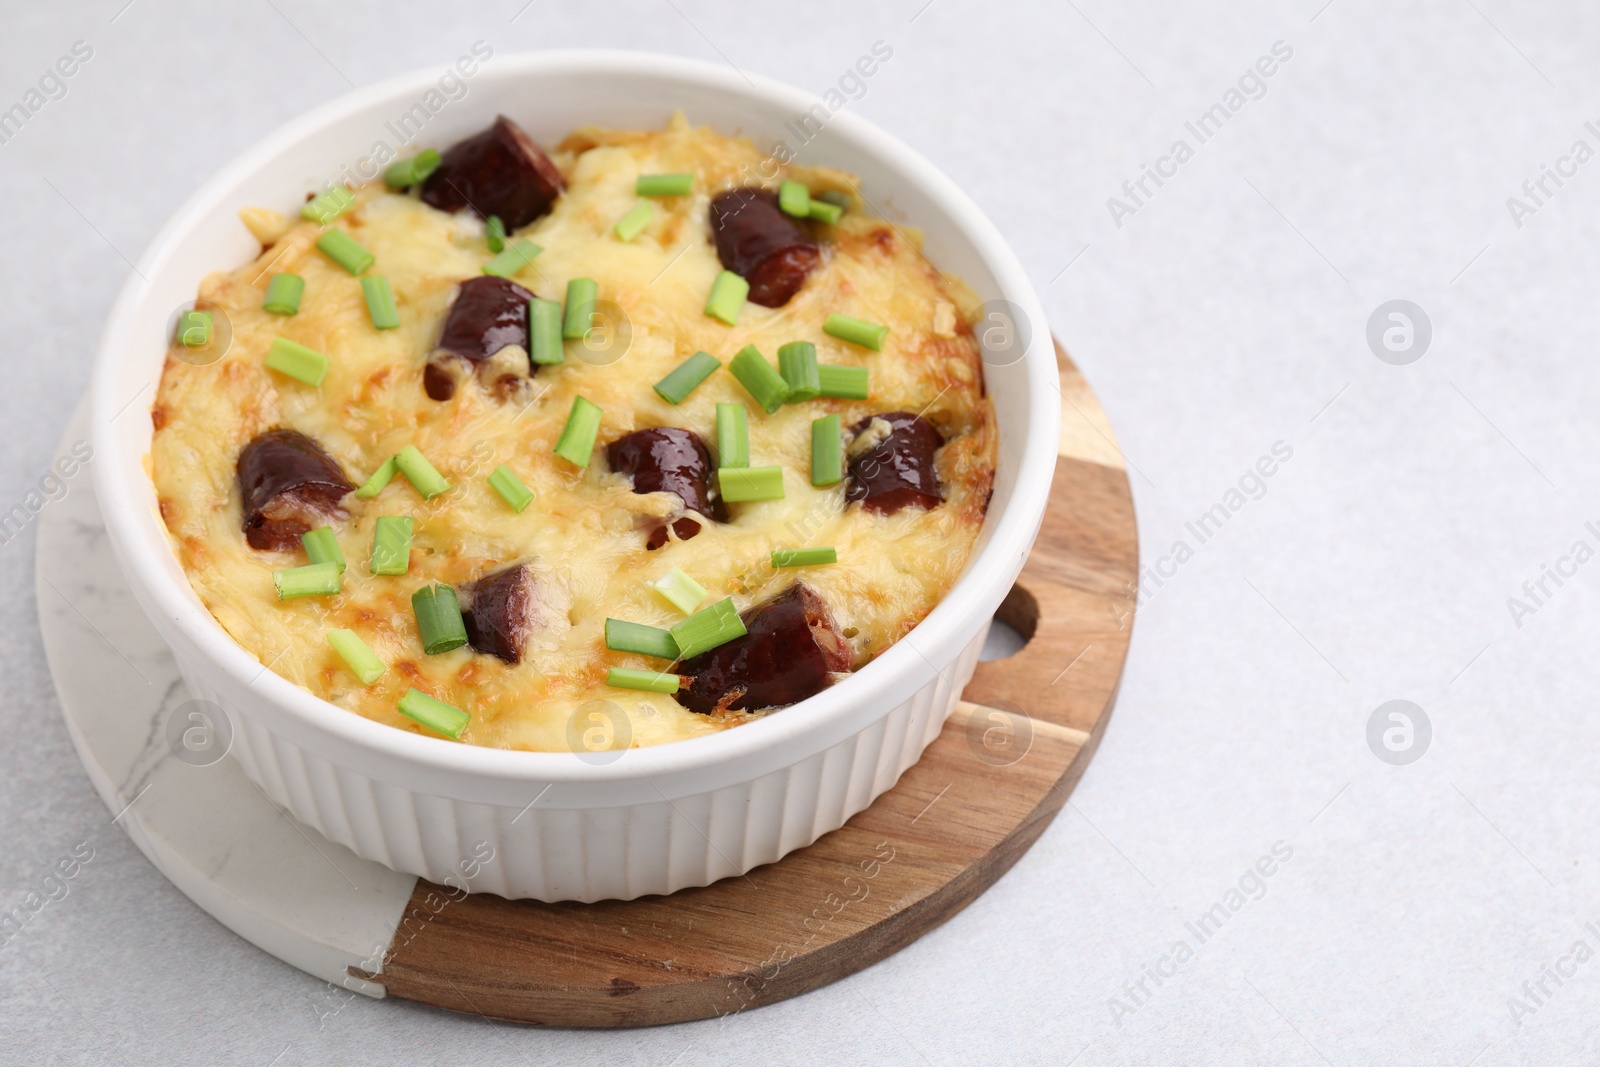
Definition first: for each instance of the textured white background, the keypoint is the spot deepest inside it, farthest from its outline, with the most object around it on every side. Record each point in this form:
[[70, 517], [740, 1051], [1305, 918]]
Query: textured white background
[[1223, 317]]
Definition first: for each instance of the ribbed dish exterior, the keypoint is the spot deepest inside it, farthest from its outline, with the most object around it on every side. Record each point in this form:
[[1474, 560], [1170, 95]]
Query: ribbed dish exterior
[[594, 853]]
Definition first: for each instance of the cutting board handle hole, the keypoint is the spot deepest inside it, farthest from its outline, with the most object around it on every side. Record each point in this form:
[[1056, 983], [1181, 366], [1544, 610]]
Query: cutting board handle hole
[[1015, 622]]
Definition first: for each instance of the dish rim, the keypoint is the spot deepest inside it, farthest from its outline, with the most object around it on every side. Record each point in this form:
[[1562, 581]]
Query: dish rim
[[801, 729]]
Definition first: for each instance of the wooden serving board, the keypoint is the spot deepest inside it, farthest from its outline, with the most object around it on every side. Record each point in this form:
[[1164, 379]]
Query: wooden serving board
[[983, 792]]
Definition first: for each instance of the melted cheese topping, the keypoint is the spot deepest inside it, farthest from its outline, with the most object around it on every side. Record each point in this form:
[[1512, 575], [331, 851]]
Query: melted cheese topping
[[585, 533]]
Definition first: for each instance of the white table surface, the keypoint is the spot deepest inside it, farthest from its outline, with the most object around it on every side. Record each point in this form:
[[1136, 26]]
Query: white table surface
[[1227, 314]]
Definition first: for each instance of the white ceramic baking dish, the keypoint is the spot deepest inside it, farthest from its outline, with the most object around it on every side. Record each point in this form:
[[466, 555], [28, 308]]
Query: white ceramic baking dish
[[562, 826]]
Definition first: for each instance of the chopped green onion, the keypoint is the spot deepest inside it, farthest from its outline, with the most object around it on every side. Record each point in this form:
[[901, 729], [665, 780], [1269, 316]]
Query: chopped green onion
[[391, 544], [803, 557], [494, 234], [380, 478], [423, 476], [727, 297], [297, 361], [436, 715], [314, 579], [663, 185], [194, 329], [327, 206], [361, 660], [680, 590], [832, 196], [856, 331], [823, 211], [380, 302], [577, 436], [637, 637], [409, 172], [581, 293], [827, 451], [283, 294], [343, 250], [438, 615], [757, 375], [797, 361], [794, 199], [649, 681], [544, 331], [633, 223], [845, 383], [510, 488], [677, 386], [518, 254], [733, 436], [705, 630], [323, 547], [739, 484]]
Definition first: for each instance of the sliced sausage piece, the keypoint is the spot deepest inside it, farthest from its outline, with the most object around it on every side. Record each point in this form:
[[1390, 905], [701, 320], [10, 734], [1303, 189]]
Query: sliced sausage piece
[[685, 528], [672, 460], [761, 244], [791, 647], [500, 172], [287, 485], [895, 469], [440, 376], [489, 313], [498, 610]]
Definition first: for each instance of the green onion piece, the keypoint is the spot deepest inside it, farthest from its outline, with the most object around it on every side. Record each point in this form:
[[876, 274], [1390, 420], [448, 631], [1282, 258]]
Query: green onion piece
[[495, 234], [297, 361], [803, 557], [544, 331], [423, 476], [438, 615], [794, 199], [680, 590], [845, 383], [727, 297], [194, 329], [797, 361], [314, 579], [663, 185], [633, 223], [283, 294], [409, 172], [581, 293], [733, 436], [380, 478], [361, 660], [436, 715], [705, 630], [649, 681], [323, 547], [577, 436], [518, 254], [391, 544], [343, 250], [510, 488], [740, 484], [637, 637], [380, 302], [827, 451], [327, 206], [856, 331], [823, 211], [832, 196], [677, 386], [757, 375]]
